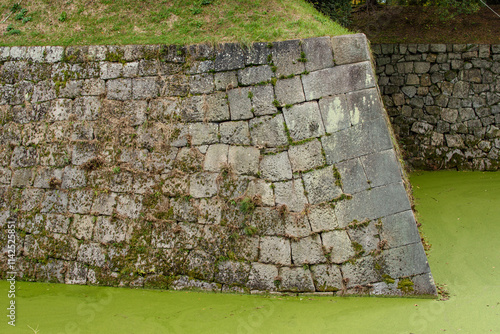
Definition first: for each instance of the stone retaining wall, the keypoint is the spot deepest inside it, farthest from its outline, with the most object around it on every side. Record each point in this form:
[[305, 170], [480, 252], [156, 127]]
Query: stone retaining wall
[[224, 169], [443, 101]]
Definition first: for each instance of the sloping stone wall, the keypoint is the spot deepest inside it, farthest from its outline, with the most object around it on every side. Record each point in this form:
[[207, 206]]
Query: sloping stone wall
[[224, 169], [444, 102]]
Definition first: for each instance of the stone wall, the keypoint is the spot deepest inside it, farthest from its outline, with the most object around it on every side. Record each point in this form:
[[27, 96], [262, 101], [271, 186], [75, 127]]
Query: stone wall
[[443, 101], [224, 169]]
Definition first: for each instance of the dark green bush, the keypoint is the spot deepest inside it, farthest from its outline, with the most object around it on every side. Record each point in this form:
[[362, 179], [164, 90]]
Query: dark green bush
[[338, 10]]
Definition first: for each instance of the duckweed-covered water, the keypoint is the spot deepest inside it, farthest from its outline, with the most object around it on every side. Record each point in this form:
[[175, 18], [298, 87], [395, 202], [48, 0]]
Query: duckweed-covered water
[[460, 213]]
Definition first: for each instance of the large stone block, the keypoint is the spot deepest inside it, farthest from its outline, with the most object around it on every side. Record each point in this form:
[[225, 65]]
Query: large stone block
[[254, 75], [275, 250], [235, 133], [350, 49], [338, 80], [291, 194], [216, 157], [262, 277], [306, 156], [285, 56], [263, 100], [321, 185], [308, 251], [381, 168], [318, 52], [289, 91], [338, 245], [365, 138], [364, 106], [304, 121], [353, 176], [268, 131], [373, 204], [240, 104], [327, 277], [296, 279], [244, 160], [335, 113], [400, 229], [276, 167]]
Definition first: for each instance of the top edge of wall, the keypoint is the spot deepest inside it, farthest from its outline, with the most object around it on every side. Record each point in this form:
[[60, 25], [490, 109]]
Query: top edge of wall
[[168, 53]]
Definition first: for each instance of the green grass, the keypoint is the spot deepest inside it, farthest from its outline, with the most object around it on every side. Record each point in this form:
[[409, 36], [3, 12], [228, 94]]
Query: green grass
[[461, 219], [82, 22]]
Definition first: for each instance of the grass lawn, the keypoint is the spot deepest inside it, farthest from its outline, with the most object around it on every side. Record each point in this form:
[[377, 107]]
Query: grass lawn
[[460, 213], [84, 22]]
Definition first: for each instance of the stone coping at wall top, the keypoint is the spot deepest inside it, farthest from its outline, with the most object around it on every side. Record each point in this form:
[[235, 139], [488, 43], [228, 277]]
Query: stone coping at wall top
[[240, 54]]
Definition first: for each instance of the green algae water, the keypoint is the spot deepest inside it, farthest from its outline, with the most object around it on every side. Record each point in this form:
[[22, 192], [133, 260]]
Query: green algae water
[[460, 213]]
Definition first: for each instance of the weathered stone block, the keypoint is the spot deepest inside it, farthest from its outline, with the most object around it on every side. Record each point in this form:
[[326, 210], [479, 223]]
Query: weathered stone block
[[308, 251], [276, 167], [225, 80], [291, 194], [338, 245], [407, 260], [119, 89], [338, 80], [92, 254], [364, 105], [244, 160], [353, 176], [321, 185], [350, 49], [254, 75], [108, 230], [361, 272], [365, 138], [203, 185], [77, 274], [268, 221], [306, 156], [297, 225], [82, 227], [22, 177], [216, 158], [229, 56], [24, 157], [262, 276], [318, 52], [289, 91], [262, 190], [202, 84], [327, 277], [55, 201], [235, 133], [268, 131], [31, 198], [144, 88], [240, 104], [203, 133], [104, 204], [373, 204], [73, 177], [285, 56], [304, 121], [296, 279], [275, 250], [211, 108], [322, 218], [231, 272], [129, 205], [263, 100], [381, 168], [399, 229], [334, 112]]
